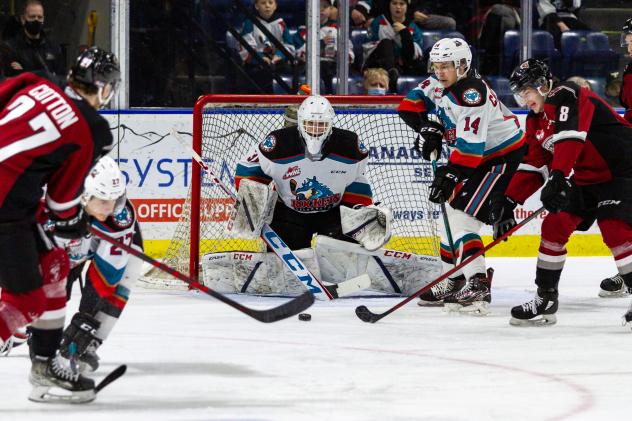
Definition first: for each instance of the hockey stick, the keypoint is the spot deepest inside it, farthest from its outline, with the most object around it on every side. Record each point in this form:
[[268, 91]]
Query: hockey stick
[[272, 239], [367, 316], [285, 310], [446, 223]]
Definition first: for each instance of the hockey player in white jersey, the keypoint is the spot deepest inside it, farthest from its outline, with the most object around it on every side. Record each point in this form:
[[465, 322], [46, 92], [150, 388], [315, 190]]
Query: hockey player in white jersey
[[111, 273], [304, 180], [485, 144]]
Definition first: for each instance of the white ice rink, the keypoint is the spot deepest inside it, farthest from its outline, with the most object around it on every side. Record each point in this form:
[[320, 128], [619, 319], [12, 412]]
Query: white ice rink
[[193, 358]]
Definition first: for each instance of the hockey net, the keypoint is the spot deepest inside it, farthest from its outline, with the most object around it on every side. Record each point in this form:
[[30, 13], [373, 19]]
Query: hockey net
[[225, 127]]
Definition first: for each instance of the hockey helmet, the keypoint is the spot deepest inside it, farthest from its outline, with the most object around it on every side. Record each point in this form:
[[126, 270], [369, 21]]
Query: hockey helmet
[[625, 31], [105, 181], [531, 73], [315, 121], [455, 50], [97, 68]]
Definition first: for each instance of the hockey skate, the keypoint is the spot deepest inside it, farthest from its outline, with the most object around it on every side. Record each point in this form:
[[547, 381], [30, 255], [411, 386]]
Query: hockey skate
[[475, 296], [613, 287], [538, 312], [48, 373], [436, 295], [17, 339]]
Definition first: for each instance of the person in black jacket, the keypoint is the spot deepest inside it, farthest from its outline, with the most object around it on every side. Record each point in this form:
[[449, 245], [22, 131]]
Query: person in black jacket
[[31, 50]]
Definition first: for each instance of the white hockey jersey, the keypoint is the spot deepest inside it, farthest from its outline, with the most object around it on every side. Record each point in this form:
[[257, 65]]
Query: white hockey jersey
[[310, 186], [108, 262], [478, 127]]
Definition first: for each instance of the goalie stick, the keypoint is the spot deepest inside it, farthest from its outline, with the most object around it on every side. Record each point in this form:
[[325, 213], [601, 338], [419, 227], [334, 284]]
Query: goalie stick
[[367, 316], [272, 239], [285, 310]]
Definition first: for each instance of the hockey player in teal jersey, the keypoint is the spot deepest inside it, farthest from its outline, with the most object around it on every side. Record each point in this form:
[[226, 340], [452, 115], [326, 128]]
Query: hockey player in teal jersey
[[485, 144]]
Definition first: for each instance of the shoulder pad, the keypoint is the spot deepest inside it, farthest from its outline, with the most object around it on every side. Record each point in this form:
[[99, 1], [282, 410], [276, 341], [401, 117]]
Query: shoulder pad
[[562, 93], [282, 143], [347, 144], [468, 92]]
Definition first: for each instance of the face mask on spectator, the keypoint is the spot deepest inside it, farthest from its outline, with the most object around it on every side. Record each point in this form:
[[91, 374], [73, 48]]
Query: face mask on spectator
[[33, 27], [376, 91]]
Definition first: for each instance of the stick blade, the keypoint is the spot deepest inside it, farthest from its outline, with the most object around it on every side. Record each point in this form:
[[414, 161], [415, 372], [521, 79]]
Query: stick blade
[[365, 314], [285, 310]]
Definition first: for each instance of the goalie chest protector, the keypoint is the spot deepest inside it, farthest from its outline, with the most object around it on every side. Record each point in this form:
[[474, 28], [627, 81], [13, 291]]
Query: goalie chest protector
[[313, 186]]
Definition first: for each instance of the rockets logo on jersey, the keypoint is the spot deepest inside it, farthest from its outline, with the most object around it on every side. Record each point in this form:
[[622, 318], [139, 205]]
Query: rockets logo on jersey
[[294, 171], [472, 96], [268, 143], [123, 219], [313, 195]]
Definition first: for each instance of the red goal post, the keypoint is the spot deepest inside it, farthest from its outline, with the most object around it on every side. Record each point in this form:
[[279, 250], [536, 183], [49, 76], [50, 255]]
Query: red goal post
[[226, 127]]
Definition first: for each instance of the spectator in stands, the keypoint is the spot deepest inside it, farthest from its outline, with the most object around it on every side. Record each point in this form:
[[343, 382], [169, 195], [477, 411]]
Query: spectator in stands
[[375, 81], [395, 43], [268, 57], [31, 50], [580, 81], [625, 95], [328, 45], [559, 16], [360, 12], [434, 15], [495, 21]]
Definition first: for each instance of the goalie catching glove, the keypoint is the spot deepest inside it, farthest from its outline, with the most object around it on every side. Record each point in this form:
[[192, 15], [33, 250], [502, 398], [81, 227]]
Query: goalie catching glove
[[255, 208], [368, 225]]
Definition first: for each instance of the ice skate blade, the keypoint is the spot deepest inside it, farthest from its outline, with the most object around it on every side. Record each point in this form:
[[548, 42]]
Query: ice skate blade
[[44, 394], [613, 294], [545, 320], [422, 303], [477, 308]]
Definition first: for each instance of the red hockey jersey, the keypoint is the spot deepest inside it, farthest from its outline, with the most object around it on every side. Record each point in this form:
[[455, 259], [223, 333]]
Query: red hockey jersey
[[577, 131], [48, 137]]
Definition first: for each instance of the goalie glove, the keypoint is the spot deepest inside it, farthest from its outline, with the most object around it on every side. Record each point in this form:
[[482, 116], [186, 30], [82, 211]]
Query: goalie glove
[[368, 225], [256, 207]]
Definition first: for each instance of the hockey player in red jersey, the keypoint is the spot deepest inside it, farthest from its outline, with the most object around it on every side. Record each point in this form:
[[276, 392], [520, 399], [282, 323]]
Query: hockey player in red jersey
[[581, 150], [625, 96], [49, 137]]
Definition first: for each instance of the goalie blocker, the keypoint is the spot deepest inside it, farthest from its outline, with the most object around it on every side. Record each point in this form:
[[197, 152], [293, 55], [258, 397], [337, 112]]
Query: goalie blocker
[[334, 261]]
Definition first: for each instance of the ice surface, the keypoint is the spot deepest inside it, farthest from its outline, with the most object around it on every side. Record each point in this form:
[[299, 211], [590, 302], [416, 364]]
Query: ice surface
[[193, 358]]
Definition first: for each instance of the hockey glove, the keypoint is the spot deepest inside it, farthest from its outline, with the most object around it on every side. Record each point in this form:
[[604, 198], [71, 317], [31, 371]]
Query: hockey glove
[[446, 178], [556, 193], [501, 214], [75, 227], [82, 332], [432, 134]]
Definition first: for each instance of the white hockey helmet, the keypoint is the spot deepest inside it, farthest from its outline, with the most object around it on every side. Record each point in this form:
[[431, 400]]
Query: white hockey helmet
[[105, 181], [315, 121], [455, 50]]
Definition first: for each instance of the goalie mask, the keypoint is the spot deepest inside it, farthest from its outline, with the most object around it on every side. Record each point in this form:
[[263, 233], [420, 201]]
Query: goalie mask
[[315, 120], [106, 183]]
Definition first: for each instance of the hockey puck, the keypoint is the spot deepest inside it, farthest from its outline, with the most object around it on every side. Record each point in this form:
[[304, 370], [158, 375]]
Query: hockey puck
[[305, 317]]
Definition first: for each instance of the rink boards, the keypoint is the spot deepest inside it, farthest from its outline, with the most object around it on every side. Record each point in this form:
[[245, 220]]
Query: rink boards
[[158, 172]]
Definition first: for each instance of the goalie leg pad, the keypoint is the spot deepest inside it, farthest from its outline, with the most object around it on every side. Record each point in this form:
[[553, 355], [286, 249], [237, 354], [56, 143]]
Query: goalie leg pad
[[255, 273], [390, 270], [257, 201], [368, 225]]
